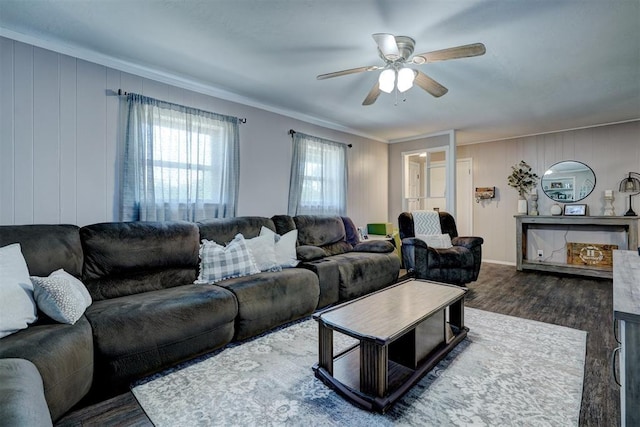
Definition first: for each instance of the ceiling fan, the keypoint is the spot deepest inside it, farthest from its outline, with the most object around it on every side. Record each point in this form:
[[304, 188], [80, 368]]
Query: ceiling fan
[[395, 51]]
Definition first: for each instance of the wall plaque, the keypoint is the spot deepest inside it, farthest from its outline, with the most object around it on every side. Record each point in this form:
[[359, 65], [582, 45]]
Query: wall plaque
[[592, 254]]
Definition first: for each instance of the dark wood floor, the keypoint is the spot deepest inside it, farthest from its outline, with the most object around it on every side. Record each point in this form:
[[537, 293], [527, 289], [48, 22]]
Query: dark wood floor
[[579, 303]]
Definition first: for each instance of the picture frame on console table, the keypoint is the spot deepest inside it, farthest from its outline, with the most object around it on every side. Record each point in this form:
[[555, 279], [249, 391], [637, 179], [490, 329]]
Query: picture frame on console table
[[575, 210]]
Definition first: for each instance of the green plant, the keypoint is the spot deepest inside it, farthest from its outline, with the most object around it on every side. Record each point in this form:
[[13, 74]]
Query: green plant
[[522, 178]]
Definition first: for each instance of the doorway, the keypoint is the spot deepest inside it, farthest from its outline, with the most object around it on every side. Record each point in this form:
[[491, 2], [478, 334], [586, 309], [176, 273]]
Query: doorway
[[426, 186]]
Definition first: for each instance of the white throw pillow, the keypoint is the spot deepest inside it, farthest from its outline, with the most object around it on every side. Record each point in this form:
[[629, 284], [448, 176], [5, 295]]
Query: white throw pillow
[[263, 249], [59, 298], [17, 307], [285, 246], [225, 262], [438, 241]]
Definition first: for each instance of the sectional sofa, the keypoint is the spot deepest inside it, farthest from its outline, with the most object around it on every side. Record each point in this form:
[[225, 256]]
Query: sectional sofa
[[148, 314]]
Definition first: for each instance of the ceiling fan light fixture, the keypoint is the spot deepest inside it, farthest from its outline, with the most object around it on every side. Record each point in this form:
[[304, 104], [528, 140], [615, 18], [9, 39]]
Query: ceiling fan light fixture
[[395, 52], [405, 79], [387, 80]]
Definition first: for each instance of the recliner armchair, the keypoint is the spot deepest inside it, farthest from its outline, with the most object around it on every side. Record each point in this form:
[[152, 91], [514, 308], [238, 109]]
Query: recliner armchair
[[457, 265]]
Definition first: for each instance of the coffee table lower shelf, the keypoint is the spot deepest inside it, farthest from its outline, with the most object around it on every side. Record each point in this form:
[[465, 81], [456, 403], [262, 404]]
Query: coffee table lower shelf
[[347, 368]]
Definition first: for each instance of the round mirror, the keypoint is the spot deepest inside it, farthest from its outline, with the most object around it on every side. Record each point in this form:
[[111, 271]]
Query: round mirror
[[568, 181]]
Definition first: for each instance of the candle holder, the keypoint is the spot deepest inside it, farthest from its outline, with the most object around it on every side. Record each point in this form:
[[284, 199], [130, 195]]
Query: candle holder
[[608, 203], [534, 204]]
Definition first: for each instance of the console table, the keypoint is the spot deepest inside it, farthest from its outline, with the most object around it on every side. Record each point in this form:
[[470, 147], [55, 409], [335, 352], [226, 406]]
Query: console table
[[626, 314], [627, 224]]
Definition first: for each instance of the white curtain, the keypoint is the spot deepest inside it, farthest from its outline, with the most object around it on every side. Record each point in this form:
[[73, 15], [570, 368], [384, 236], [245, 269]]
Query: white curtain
[[318, 184], [180, 163]]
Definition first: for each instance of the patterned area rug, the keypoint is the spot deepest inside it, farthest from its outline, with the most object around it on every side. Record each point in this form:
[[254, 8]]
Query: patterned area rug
[[509, 371]]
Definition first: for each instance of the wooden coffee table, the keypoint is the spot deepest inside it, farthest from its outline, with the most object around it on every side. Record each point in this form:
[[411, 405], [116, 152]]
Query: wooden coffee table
[[403, 331]]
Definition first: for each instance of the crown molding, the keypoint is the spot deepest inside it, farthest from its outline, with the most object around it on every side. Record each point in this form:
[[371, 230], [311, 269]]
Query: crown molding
[[553, 131], [173, 79]]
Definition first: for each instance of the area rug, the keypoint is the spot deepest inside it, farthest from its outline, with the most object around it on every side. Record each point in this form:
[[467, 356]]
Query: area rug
[[508, 371]]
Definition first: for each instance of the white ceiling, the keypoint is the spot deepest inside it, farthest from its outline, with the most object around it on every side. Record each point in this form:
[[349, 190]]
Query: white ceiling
[[550, 64]]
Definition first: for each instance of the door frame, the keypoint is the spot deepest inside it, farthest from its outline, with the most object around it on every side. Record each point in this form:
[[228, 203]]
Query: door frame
[[450, 195]]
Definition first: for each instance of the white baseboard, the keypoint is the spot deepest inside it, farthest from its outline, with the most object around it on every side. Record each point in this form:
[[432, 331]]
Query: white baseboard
[[495, 261]]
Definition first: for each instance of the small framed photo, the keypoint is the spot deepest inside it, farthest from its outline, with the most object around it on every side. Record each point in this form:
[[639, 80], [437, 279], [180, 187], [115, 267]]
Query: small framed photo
[[575, 210]]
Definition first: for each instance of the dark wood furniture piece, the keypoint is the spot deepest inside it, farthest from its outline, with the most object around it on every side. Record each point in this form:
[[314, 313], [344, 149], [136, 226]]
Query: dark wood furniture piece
[[402, 333], [626, 315], [524, 223]]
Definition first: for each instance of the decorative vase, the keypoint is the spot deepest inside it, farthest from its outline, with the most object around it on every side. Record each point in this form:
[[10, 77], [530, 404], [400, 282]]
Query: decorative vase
[[556, 209], [522, 206], [608, 203], [534, 204]]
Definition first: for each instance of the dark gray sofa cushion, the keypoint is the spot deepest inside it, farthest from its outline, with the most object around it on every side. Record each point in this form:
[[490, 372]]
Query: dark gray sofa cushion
[[270, 299], [143, 333], [22, 403], [127, 258], [223, 230], [345, 271], [63, 355], [283, 223], [46, 248], [363, 272], [318, 230]]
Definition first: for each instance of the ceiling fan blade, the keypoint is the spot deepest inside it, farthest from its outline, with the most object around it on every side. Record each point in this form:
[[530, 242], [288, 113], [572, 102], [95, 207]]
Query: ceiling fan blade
[[430, 85], [387, 45], [349, 71], [466, 51], [373, 94]]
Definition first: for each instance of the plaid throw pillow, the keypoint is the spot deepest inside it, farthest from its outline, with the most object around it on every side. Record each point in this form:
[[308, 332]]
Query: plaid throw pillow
[[224, 262]]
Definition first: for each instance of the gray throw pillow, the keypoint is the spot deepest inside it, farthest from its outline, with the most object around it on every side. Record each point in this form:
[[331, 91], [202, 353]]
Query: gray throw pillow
[[59, 298]]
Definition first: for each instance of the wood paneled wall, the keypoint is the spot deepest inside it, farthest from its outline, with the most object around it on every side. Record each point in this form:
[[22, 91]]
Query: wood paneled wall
[[611, 151], [60, 143]]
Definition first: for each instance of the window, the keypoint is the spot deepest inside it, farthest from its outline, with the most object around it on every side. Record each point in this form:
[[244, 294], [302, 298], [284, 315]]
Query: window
[[180, 163], [318, 177], [180, 174]]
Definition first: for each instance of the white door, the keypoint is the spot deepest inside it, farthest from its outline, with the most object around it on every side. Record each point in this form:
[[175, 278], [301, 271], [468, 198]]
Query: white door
[[414, 187], [436, 185]]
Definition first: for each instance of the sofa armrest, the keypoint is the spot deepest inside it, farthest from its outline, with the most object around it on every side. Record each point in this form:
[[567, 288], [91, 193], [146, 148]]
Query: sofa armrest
[[467, 242], [23, 402], [309, 253], [474, 244], [328, 274], [374, 246], [408, 252]]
